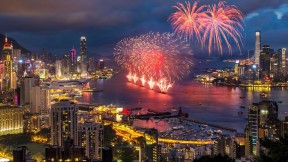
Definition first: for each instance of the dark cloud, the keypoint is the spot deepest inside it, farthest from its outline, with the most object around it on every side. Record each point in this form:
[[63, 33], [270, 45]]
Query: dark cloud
[[58, 24]]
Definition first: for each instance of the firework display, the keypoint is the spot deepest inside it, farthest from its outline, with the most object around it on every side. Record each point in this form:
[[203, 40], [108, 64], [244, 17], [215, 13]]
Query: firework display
[[154, 59], [212, 24]]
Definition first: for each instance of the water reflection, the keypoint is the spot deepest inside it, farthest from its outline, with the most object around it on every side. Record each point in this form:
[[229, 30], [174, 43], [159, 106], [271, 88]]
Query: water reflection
[[217, 104]]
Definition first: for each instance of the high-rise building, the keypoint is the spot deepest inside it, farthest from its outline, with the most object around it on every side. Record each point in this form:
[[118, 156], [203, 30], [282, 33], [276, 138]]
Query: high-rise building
[[40, 100], [101, 64], [262, 122], [83, 54], [274, 66], [11, 119], [92, 65], [7, 75], [91, 138], [264, 64], [64, 122], [7, 49], [282, 61], [225, 145], [16, 54], [152, 148], [73, 56], [257, 49], [25, 89], [58, 67]]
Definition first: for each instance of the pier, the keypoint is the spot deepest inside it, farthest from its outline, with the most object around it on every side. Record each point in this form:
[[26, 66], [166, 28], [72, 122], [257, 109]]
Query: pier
[[209, 124]]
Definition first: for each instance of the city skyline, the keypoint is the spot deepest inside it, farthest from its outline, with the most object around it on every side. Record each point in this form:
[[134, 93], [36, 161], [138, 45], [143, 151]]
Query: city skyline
[[104, 24]]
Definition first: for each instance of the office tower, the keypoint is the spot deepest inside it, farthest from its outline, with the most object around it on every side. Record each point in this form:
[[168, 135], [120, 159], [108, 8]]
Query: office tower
[[40, 100], [262, 122], [11, 120], [58, 67], [282, 61], [25, 89], [101, 64], [83, 54], [64, 122], [91, 138], [257, 49], [16, 54], [7, 75], [73, 56], [152, 148], [7, 49], [225, 145], [274, 66], [264, 64], [92, 64]]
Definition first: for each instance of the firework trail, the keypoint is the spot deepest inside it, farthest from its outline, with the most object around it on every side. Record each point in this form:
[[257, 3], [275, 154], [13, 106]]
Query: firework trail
[[211, 24], [187, 21], [154, 59], [222, 22]]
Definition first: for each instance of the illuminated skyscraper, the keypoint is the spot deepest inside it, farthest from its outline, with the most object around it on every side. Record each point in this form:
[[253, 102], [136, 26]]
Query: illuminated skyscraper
[[282, 61], [58, 66], [64, 123], [73, 55], [257, 49], [91, 138], [7, 49], [83, 54], [264, 62]]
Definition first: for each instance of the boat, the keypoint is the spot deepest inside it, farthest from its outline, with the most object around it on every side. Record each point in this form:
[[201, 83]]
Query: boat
[[92, 90], [242, 97], [243, 107], [279, 101], [240, 113], [263, 95], [178, 127]]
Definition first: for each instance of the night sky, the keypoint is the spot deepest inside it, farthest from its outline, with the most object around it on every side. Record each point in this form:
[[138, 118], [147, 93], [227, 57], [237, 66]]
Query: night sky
[[58, 24]]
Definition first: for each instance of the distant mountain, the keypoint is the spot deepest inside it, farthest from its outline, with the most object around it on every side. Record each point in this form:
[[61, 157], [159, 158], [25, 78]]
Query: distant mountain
[[14, 43]]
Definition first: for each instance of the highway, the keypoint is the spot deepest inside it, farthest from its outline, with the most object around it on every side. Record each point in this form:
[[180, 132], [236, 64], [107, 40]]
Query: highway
[[129, 133]]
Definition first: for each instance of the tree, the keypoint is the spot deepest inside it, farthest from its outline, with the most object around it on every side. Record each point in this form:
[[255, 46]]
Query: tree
[[273, 150]]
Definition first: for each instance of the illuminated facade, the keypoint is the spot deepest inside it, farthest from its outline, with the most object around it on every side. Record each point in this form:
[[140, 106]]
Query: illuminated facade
[[64, 122], [264, 64], [40, 100], [257, 49], [11, 120], [83, 55], [282, 55], [91, 138], [73, 56], [58, 66], [262, 122]]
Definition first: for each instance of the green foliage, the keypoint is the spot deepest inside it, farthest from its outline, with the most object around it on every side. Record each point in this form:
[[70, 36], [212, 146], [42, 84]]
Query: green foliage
[[109, 135], [15, 139], [216, 158], [276, 151]]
